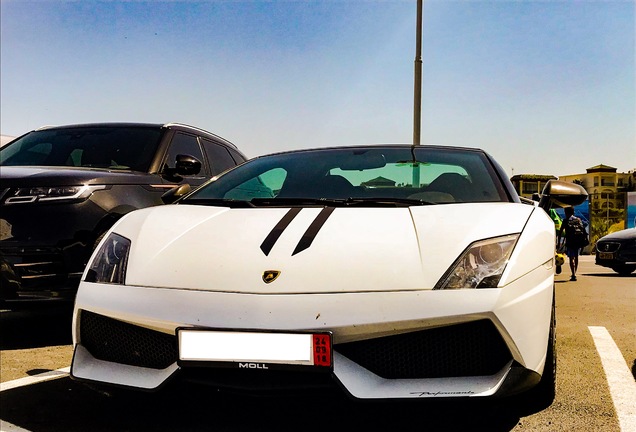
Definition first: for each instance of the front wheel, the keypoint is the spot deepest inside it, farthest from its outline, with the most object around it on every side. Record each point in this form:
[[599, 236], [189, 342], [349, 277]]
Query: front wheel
[[542, 395], [625, 270]]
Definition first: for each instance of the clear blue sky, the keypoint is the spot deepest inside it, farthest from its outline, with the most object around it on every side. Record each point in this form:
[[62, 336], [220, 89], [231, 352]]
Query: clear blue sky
[[544, 86]]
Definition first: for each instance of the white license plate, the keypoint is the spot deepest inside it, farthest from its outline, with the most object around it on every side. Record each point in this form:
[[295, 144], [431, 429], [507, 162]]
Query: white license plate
[[606, 255], [217, 346]]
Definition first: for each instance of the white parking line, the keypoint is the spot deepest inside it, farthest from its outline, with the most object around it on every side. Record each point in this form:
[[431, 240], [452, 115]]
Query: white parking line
[[621, 382], [59, 373]]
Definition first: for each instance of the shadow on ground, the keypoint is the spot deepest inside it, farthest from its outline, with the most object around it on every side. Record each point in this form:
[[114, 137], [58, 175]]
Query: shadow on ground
[[610, 275], [35, 328], [66, 405]]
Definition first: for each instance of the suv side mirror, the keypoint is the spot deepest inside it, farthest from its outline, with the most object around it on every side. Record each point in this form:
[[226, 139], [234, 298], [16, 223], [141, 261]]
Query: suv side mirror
[[558, 193], [187, 165]]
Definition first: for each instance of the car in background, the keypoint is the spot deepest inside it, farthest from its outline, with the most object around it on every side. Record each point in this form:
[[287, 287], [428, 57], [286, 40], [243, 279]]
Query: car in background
[[63, 187], [618, 251], [5, 139], [389, 272]]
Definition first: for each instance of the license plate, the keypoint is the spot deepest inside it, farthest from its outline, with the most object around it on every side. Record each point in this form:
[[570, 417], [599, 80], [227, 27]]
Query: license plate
[[254, 349], [606, 255]]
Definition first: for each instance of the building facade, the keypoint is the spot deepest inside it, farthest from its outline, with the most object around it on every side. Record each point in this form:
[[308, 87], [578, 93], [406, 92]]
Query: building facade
[[608, 195], [607, 191], [527, 185]]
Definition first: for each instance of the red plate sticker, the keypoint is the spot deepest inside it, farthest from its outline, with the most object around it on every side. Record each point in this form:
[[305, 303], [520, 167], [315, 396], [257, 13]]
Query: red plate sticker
[[322, 350]]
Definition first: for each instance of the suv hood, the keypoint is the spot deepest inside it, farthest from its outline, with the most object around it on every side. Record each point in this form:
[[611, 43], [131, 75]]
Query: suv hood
[[356, 249], [20, 176], [629, 233]]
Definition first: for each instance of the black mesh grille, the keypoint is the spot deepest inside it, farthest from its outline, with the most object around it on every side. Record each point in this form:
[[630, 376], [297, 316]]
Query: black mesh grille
[[116, 341], [469, 349], [607, 246]]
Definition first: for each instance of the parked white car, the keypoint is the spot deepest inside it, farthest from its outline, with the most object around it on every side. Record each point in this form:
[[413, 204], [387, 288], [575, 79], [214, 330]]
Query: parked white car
[[393, 272]]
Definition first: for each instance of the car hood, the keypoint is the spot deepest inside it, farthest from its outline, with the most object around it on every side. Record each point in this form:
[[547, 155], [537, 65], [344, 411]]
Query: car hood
[[25, 176], [355, 249], [625, 234]]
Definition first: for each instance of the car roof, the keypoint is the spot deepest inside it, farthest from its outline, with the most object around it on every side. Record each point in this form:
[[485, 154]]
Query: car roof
[[375, 146], [103, 124], [171, 125]]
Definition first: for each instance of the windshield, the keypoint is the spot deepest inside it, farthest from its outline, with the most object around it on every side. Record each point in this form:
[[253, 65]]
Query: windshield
[[113, 147], [357, 176]]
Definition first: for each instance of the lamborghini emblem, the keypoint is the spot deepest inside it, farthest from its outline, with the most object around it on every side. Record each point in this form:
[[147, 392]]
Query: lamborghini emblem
[[270, 276]]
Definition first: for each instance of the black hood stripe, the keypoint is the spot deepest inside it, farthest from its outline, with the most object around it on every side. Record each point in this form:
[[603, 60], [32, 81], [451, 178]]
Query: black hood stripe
[[313, 229], [273, 236]]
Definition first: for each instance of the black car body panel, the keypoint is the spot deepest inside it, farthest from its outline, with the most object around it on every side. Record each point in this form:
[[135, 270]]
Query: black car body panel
[[618, 251], [54, 176], [53, 214]]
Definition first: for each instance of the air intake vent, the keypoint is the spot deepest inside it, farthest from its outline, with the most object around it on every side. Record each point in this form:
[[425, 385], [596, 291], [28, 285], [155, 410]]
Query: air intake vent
[[119, 342], [469, 349]]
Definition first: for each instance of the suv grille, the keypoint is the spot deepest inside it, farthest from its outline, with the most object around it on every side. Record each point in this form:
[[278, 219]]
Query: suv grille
[[115, 341], [35, 268], [607, 246], [469, 349]]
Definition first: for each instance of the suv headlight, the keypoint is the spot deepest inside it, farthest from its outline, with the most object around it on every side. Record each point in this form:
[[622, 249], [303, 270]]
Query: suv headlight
[[55, 193], [109, 265], [481, 265]]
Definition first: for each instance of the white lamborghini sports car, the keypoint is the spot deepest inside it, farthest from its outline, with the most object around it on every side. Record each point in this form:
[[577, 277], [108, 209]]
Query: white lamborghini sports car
[[388, 271]]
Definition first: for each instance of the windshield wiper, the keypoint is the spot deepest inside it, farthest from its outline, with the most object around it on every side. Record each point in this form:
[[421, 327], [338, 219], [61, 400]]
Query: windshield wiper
[[340, 202], [276, 202], [218, 202], [387, 202]]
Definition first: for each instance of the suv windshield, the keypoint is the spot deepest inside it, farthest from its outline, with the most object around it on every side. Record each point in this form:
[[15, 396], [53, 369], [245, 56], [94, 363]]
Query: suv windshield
[[113, 147], [364, 176]]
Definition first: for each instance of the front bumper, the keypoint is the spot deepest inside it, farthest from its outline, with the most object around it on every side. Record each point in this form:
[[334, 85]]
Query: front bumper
[[619, 258], [44, 249], [513, 321]]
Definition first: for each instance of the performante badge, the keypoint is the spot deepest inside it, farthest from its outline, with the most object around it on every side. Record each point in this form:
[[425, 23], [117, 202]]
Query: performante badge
[[270, 276]]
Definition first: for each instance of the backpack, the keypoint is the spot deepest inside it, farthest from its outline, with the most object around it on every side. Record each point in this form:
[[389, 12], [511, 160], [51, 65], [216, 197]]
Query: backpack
[[577, 233]]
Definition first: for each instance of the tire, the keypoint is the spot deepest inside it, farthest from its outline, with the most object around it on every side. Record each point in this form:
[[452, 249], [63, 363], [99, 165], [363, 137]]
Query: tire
[[624, 270], [543, 394], [546, 389]]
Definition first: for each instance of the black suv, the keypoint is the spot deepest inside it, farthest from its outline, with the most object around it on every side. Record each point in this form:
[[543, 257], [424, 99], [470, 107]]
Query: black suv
[[63, 187]]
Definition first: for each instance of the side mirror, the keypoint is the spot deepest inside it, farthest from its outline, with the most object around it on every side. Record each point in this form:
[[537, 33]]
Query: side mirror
[[558, 193], [175, 193], [187, 165]]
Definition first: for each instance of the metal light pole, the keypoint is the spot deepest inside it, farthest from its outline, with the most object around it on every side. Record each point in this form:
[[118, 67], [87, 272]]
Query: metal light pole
[[417, 98]]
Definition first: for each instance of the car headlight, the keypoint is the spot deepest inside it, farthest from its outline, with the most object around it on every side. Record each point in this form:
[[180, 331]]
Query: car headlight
[[55, 193], [481, 265], [109, 265]]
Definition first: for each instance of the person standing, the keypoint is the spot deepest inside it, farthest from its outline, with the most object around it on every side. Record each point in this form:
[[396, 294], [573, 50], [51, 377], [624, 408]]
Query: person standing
[[575, 238]]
